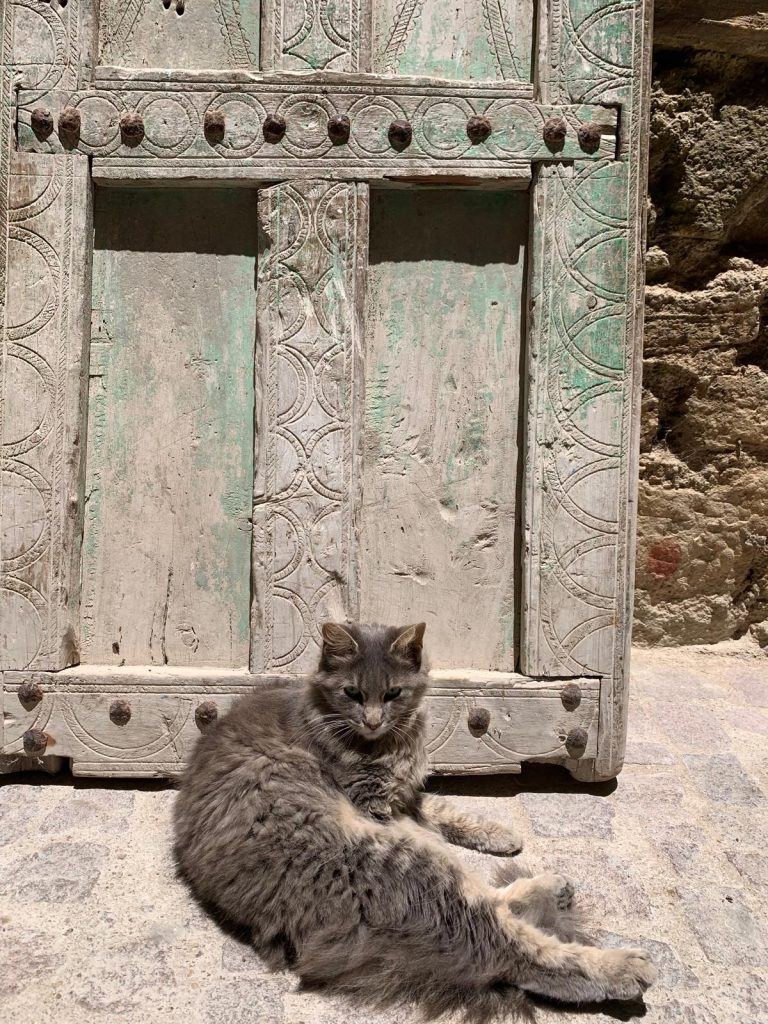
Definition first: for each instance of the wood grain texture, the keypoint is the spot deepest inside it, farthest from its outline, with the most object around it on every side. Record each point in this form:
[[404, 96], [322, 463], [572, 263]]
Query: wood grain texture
[[45, 208], [455, 39], [45, 231], [166, 558], [173, 107], [312, 259], [315, 35], [585, 334], [214, 34], [443, 348], [527, 719]]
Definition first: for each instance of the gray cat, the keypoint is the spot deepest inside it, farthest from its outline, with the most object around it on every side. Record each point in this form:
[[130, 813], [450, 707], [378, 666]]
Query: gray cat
[[301, 818]]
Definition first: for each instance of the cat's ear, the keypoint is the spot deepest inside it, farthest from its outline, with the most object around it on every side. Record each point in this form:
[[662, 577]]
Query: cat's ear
[[408, 643], [338, 644]]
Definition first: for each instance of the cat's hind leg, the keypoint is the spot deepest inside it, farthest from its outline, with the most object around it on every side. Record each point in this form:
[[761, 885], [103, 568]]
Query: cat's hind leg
[[544, 900], [462, 830]]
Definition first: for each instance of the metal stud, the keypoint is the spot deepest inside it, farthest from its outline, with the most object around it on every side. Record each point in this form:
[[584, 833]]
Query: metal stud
[[554, 132], [131, 128], [400, 135], [206, 714], [35, 741], [570, 695], [576, 742], [29, 694], [69, 127], [42, 123], [589, 137], [274, 127], [339, 128], [214, 125], [478, 129], [478, 721], [120, 712]]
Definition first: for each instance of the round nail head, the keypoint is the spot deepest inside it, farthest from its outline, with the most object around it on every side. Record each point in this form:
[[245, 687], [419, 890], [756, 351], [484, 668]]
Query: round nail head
[[478, 129], [42, 123], [69, 126], [274, 127], [206, 714], [555, 130], [34, 741], [576, 742], [478, 721], [30, 693], [120, 712], [214, 125], [131, 128], [589, 137], [339, 128], [400, 135], [570, 695]]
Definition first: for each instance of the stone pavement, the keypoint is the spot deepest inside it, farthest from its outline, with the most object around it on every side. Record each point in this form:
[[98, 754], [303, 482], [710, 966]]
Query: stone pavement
[[95, 928]]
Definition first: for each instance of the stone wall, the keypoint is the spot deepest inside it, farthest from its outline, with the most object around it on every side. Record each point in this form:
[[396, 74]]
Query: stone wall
[[702, 555]]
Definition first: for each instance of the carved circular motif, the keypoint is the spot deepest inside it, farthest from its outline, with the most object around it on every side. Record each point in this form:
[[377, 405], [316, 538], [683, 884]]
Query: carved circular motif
[[32, 273], [325, 539], [307, 119], [23, 516], [99, 123], [511, 128], [371, 119], [244, 116], [29, 385], [325, 466], [290, 627], [289, 457], [40, 44], [21, 630], [441, 127], [169, 124], [329, 375], [294, 392], [289, 539]]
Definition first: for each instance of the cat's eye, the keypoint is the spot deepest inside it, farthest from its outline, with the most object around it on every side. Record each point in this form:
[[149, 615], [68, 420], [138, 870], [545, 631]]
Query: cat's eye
[[393, 693], [353, 693]]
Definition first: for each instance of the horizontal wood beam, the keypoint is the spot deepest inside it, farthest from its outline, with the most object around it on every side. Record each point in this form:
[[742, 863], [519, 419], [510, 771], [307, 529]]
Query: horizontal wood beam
[[144, 721], [159, 126]]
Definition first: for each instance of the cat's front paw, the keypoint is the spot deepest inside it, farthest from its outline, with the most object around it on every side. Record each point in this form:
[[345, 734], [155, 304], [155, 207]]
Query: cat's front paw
[[501, 842], [629, 972], [380, 810]]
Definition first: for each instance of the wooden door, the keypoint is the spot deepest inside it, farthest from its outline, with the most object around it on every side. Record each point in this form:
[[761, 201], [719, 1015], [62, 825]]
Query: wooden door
[[309, 311]]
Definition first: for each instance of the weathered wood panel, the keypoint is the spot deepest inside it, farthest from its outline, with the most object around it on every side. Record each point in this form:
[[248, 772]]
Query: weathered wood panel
[[174, 144], [316, 35], [457, 39], [166, 559], [160, 713], [585, 343], [312, 259], [45, 218], [179, 33], [443, 350]]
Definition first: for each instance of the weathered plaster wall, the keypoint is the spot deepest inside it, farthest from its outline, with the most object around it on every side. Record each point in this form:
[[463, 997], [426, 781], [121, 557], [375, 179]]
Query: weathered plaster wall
[[702, 557]]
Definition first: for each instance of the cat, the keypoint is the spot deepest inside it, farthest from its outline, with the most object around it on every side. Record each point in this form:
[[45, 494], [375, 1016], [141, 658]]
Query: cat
[[301, 818]]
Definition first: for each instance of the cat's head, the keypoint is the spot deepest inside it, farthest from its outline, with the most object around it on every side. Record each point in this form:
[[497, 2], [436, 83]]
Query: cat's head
[[371, 676]]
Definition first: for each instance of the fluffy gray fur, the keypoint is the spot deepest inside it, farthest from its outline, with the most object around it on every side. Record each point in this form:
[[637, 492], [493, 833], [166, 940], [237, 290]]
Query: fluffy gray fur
[[301, 818]]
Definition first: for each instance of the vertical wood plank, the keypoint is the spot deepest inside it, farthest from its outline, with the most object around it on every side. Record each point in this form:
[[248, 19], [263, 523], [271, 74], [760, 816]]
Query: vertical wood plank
[[455, 39], [443, 347], [166, 562], [585, 340], [46, 231], [179, 34], [312, 256], [325, 35]]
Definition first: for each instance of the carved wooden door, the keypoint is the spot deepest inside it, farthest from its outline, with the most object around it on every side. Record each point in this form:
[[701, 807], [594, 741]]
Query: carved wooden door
[[311, 309]]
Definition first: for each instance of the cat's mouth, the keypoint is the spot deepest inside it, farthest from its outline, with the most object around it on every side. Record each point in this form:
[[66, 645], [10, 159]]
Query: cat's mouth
[[372, 734]]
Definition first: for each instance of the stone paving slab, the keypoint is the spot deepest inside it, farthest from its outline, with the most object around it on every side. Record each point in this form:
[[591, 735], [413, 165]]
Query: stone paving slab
[[95, 928]]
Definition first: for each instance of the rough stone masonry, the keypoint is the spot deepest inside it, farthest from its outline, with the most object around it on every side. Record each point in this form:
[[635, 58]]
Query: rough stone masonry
[[702, 556]]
